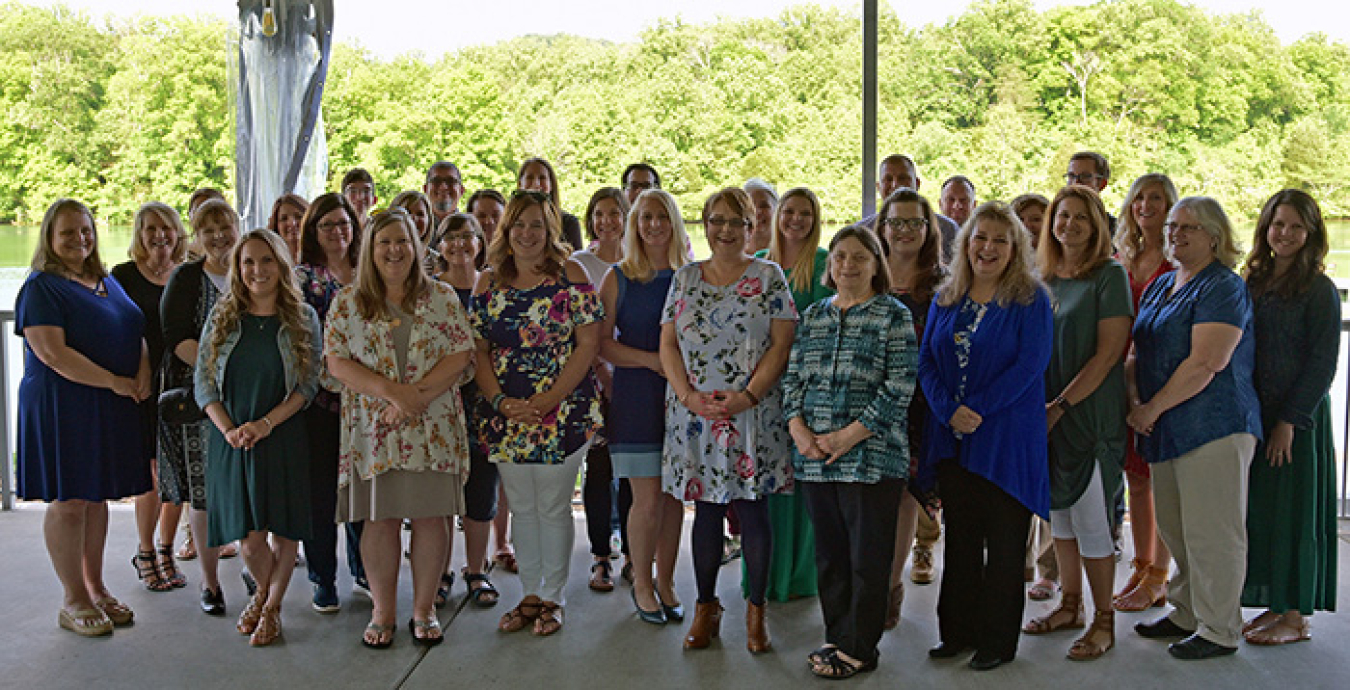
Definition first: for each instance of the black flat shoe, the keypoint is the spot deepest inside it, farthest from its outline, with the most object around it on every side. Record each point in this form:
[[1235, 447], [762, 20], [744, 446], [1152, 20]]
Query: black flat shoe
[[1163, 627], [987, 662], [1196, 647], [213, 603], [947, 650]]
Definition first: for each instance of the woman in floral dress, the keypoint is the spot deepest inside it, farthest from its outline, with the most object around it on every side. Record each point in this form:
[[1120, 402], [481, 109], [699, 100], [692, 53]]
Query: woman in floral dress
[[726, 332]]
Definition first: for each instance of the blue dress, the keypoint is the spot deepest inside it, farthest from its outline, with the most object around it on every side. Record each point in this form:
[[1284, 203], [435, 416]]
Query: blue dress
[[73, 439], [637, 413]]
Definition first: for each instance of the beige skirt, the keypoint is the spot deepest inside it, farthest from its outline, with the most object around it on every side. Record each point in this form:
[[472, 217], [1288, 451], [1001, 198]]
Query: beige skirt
[[401, 494]]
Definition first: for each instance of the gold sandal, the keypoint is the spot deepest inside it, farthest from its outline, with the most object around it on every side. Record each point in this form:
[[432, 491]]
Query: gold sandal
[[1148, 592], [249, 617], [116, 611], [85, 622], [1087, 647], [268, 628], [549, 620], [1071, 604], [517, 618]]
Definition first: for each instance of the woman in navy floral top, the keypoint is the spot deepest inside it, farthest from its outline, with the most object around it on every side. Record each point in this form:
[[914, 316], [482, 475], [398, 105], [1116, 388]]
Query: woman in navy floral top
[[849, 380]]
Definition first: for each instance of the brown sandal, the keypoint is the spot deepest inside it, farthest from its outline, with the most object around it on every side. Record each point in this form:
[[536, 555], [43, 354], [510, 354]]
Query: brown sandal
[[524, 612], [549, 620], [268, 628], [1090, 646], [1070, 606], [1140, 568], [249, 617], [1278, 633], [1150, 591]]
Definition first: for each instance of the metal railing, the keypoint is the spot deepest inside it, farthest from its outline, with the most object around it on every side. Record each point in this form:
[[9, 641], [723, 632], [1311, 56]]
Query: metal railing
[[7, 409]]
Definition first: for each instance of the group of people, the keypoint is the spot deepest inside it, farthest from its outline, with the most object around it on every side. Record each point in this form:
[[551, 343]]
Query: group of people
[[371, 368]]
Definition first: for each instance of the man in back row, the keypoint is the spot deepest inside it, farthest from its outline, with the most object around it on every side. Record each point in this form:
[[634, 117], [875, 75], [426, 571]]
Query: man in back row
[[896, 171]]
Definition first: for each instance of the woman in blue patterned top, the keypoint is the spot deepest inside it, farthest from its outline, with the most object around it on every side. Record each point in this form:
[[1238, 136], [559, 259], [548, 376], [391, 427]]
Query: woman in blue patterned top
[[849, 380], [1195, 409], [981, 365]]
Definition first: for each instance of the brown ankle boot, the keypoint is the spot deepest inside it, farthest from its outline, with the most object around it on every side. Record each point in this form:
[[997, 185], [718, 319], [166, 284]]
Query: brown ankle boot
[[756, 629], [707, 625]]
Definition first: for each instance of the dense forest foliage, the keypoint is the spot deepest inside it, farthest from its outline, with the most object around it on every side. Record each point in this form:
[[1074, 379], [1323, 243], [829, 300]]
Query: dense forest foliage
[[120, 112]]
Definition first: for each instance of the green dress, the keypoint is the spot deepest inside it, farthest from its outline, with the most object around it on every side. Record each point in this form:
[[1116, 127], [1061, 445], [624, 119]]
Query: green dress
[[1093, 431], [792, 566], [266, 488]]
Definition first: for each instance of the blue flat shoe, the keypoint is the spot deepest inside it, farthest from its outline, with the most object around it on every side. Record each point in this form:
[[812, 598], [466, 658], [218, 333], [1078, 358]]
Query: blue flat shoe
[[657, 617]]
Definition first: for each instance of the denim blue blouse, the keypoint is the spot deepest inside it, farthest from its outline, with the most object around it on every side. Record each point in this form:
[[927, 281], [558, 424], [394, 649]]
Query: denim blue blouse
[[854, 365], [1162, 340]]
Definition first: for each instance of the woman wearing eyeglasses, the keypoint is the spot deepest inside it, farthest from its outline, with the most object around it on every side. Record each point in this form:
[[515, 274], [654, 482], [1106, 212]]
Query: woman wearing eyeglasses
[[1193, 404], [913, 242], [726, 331], [329, 241], [537, 322], [795, 247]]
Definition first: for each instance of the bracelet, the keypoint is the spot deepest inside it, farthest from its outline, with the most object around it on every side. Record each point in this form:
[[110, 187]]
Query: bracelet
[[497, 402], [754, 399], [683, 398], [268, 422]]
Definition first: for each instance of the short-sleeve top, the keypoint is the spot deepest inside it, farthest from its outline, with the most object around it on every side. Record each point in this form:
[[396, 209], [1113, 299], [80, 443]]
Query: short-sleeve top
[[816, 291], [1092, 432], [1162, 340], [437, 440], [1298, 341], [531, 334], [147, 296], [854, 365]]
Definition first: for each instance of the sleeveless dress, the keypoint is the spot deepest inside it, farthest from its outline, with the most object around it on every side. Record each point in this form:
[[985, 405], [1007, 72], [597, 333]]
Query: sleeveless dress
[[266, 488], [637, 419]]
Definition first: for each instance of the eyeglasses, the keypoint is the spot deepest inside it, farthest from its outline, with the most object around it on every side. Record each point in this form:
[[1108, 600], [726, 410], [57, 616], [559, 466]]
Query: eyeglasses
[[531, 194], [896, 223], [1173, 228], [446, 180], [458, 236], [338, 226], [719, 221], [1080, 178]]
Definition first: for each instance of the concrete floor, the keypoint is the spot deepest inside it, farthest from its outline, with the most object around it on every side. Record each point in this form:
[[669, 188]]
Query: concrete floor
[[602, 646]]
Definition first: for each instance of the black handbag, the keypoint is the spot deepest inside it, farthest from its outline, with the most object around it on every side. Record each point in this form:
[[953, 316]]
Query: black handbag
[[178, 406]]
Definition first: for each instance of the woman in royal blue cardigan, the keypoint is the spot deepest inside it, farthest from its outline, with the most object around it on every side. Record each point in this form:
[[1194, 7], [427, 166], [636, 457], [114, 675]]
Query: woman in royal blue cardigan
[[982, 366]]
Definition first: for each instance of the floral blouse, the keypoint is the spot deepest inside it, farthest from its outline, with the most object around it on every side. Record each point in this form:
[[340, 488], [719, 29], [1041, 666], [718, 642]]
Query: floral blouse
[[319, 286], [723, 333], [436, 441], [531, 334]]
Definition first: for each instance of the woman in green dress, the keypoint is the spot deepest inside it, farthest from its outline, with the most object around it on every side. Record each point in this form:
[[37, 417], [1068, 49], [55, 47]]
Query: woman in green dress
[[796, 248], [258, 367], [1291, 497], [1085, 415]]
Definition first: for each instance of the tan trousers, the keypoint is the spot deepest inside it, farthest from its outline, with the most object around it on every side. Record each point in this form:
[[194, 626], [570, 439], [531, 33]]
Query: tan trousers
[[1201, 501]]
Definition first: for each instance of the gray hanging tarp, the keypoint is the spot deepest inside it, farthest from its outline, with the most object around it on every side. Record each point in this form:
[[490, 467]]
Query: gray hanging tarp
[[280, 146]]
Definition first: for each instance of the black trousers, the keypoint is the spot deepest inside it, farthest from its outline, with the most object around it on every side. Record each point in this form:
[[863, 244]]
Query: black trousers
[[855, 542], [598, 498], [981, 601], [321, 551]]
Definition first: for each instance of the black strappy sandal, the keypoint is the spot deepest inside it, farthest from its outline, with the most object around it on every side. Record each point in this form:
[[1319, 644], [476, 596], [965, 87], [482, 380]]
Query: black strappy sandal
[[484, 595]]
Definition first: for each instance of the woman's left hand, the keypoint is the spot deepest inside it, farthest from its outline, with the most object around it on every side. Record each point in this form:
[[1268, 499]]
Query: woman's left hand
[[840, 441], [1142, 418], [1280, 444], [733, 402]]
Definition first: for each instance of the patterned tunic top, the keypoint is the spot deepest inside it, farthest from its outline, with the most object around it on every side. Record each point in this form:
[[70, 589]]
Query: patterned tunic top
[[723, 333], [435, 441], [854, 365], [531, 334]]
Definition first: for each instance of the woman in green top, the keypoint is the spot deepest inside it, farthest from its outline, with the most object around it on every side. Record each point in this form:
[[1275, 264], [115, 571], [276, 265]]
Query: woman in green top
[[796, 248], [1085, 384]]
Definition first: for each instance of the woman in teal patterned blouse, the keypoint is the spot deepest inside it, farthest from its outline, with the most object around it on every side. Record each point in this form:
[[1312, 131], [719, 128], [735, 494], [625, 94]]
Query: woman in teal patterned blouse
[[849, 381]]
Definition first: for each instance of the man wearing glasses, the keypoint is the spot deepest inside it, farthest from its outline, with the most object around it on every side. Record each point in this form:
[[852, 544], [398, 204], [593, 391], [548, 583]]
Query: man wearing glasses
[[639, 177], [359, 189], [444, 187], [1090, 169]]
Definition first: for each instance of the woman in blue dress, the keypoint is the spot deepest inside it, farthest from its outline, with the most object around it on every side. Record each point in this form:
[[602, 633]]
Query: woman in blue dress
[[85, 368], [633, 292]]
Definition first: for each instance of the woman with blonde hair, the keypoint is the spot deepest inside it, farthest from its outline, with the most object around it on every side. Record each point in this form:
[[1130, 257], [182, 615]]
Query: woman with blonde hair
[[1139, 245], [158, 245], [633, 292], [537, 322], [257, 367], [796, 249], [418, 207], [982, 366], [85, 368], [399, 342], [288, 212], [1085, 412]]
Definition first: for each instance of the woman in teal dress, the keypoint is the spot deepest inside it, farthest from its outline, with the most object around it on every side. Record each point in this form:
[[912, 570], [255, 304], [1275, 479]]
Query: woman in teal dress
[[796, 248], [1291, 493], [257, 368]]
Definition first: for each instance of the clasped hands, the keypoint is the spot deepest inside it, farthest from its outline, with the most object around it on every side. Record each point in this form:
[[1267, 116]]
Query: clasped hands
[[248, 434], [827, 446], [723, 404], [405, 402], [965, 420], [137, 388], [528, 411]]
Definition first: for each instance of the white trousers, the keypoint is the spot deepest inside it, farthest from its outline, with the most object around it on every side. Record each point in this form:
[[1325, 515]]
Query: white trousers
[[542, 530]]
